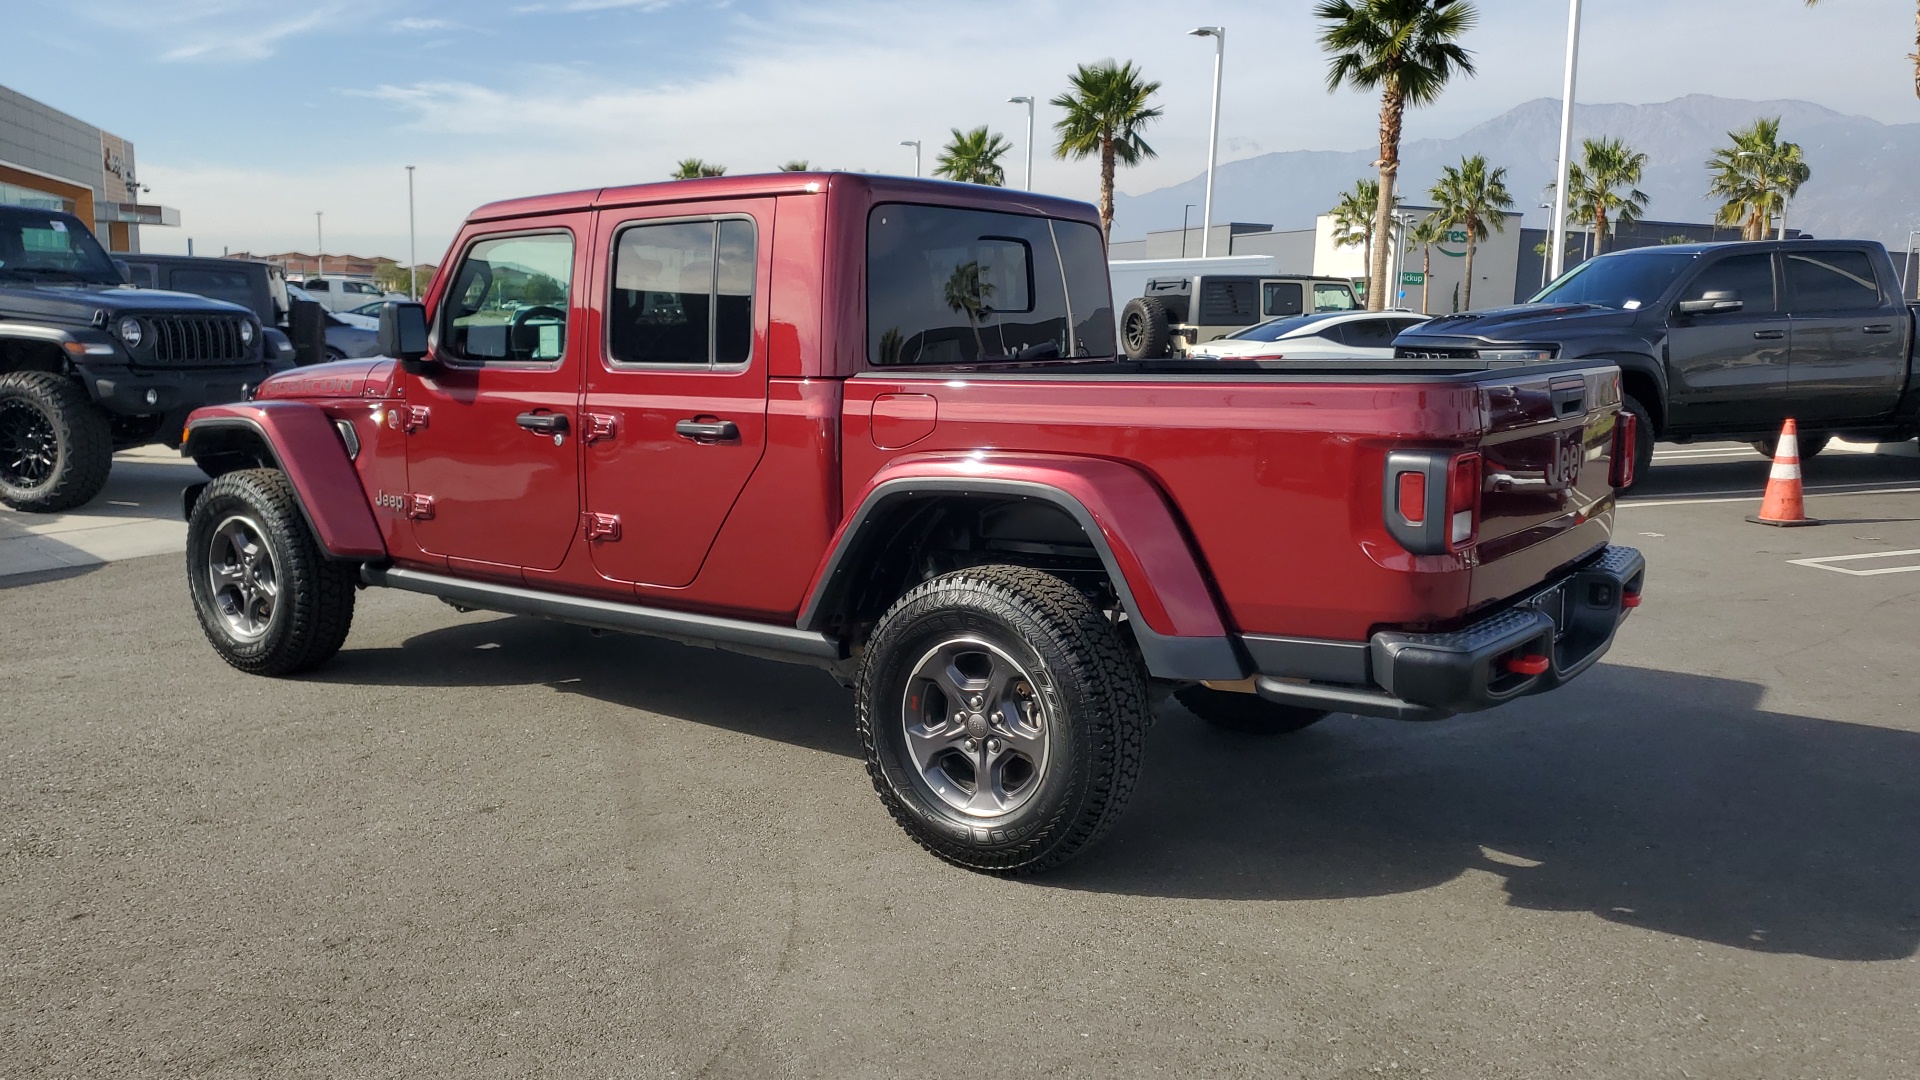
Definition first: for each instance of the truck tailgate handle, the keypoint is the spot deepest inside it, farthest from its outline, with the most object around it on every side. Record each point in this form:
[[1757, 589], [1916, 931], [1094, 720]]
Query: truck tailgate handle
[[545, 423], [1570, 400], [1769, 335], [707, 431]]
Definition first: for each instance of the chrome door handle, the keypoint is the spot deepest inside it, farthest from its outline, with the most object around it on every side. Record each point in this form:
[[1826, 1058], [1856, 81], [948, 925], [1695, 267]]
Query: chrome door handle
[[1880, 328], [1769, 335]]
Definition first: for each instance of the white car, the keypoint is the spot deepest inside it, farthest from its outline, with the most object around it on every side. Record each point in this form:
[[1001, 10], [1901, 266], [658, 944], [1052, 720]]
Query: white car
[[1342, 335], [348, 318], [342, 294]]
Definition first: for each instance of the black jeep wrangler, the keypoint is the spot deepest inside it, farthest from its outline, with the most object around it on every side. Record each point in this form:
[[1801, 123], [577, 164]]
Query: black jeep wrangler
[[90, 365]]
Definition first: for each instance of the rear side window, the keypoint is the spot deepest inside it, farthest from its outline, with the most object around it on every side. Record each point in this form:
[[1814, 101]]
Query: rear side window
[[316, 285], [1228, 301], [1333, 298], [1282, 298], [1831, 281], [508, 300], [951, 286], [1368, 333], [683, 293], [1750, 277]]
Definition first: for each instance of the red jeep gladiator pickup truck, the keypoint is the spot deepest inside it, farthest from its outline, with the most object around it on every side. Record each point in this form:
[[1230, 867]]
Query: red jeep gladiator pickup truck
[[879, 425]]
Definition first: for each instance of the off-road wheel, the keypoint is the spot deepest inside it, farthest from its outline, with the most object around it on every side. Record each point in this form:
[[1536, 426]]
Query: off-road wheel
[[1143, 329], [56, 447], [1810, 446], [1003, 718], [1642, 438], [268, 600], [1248, 714]]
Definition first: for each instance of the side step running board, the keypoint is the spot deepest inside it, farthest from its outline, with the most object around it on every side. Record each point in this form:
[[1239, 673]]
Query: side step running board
[[1343, 699], [736, 635]]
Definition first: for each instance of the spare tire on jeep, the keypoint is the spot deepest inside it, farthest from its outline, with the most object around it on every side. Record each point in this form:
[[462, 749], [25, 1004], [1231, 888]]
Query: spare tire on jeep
[[1143, 329]]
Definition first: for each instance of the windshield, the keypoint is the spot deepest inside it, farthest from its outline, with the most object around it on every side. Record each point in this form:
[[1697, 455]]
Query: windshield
[[951, 286], [1276, 329], [1626, 282], [43, 246]]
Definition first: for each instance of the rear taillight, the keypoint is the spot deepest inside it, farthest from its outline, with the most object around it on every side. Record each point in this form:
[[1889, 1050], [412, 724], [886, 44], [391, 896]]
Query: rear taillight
[[1433, 500], [1626, 439]]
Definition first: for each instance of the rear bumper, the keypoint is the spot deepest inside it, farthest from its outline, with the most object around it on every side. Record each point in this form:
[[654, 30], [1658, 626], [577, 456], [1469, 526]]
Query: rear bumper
[[1570, 622]]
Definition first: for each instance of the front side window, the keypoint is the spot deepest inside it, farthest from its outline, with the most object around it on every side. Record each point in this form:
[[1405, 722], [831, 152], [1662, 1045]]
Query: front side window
[[683, 293], [1831, 281], [1627, 282], [951, 286], [508, 300], [1748, 277], [43, 247], [1282, 298], [232, 286], [1333, 298]]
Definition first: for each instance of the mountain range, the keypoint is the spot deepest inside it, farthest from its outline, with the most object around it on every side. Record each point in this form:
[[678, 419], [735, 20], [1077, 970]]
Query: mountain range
[[1863, 182]]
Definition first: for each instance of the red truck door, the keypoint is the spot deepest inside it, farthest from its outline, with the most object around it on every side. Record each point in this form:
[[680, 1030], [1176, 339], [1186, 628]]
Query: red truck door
[[676, 399], [493, 466]]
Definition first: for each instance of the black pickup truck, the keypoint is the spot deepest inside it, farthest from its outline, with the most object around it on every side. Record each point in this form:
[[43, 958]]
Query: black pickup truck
[[1721, 341], [90, 365]]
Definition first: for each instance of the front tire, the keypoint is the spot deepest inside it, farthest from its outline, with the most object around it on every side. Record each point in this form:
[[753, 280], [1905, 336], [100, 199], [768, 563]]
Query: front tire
[[56, 447], [1810, 446], [1248, 714], [268, 600], [1003, 718]]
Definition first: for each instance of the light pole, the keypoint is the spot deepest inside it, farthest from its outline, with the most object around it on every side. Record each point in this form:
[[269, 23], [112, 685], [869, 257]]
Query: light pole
[[1566, 142], [915, 143], [413, 274], [1184, 211], [1401, 221], [1544, 256], [320, 244], [1028, 102], [1219, 36]]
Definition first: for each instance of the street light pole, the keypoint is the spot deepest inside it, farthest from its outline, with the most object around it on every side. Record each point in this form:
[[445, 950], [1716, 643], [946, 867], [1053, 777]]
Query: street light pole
[[915, 143], [1028, 102], [320, 244], [1184, 211], [1559, 262], [1219, 36], [413, 261]]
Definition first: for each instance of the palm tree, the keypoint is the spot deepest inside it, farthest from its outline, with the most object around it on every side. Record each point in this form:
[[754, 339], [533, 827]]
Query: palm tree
[[798, 165], [693, 169], [1915, 56], [1407, 50], [1429, 232], [967, 294], [1353, 218], [1106, 107], [1594, 183], [1755, 177], [973, 157], [1470, 196]]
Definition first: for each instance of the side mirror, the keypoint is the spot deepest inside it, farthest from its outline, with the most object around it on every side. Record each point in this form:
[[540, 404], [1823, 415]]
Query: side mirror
[[403, 333], [1712, 303]]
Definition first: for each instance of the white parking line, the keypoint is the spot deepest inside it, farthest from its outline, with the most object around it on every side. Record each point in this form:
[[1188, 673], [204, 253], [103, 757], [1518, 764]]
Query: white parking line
[[1702, 497], [1826, 563]]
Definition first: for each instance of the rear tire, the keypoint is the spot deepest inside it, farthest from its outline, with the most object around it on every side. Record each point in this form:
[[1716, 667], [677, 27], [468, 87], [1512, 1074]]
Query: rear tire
[[1143, 329], [1248, 714], [268, 600], [1642, 440], [1810, 446], [56, 447], [1003, 718]]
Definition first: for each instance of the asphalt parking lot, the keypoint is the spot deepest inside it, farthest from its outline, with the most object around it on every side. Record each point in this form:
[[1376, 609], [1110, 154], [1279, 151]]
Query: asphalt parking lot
[[485, 846]]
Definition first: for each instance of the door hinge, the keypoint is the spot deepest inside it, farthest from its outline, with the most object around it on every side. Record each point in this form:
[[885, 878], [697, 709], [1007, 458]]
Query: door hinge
[[600, 526], [407, 418], [599, 426], [420, 507]]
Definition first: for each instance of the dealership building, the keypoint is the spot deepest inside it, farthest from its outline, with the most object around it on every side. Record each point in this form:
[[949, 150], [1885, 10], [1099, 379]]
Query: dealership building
[[51, 160]]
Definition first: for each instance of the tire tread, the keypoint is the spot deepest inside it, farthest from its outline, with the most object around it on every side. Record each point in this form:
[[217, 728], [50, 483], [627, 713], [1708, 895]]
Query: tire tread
[[86, 455]]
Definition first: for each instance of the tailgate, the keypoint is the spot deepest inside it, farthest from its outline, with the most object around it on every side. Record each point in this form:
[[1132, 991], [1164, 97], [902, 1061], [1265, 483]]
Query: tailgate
[[1546, 496]]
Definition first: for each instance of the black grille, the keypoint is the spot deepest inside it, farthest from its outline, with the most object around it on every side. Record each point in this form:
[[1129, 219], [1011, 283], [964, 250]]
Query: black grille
[[1405, 353], [193, 339]]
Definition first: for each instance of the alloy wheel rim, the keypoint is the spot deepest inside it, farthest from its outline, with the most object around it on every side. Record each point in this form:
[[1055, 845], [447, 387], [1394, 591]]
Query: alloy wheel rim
[[977, 729], [29, 446], [244, 579]]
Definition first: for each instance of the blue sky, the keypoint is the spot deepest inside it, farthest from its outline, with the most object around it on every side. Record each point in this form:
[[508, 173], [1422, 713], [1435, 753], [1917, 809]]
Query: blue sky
[[249, 115]]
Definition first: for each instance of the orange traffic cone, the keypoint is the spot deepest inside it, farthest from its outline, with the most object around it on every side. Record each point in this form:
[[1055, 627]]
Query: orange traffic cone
[[1783, 504]]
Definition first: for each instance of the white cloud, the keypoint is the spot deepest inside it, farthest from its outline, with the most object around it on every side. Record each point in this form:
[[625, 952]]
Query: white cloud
[[412, 25]]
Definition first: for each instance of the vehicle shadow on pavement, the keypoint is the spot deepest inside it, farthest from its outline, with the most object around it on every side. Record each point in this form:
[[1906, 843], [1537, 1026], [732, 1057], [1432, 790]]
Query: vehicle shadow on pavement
[[1661, 800], [1669, 479], [793, 704]]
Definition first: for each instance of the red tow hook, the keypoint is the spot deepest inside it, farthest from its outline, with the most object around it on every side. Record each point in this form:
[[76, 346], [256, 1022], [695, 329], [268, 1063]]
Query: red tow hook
[[1531, 664], [1629, 600]]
